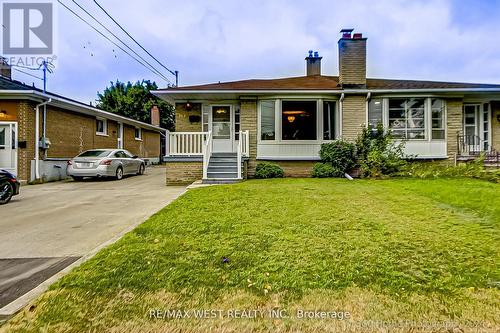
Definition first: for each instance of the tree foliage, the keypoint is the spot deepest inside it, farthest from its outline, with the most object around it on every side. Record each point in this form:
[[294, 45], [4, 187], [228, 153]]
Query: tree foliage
[[135, 101]]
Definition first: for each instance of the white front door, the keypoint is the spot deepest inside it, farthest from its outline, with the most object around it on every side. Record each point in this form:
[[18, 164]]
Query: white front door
[[222, 126], [8, 147], [120, 136]]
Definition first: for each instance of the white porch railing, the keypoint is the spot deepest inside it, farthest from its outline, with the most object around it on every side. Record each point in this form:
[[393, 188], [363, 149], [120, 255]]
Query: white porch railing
[[207, 152], [186, 143], [245, 143]]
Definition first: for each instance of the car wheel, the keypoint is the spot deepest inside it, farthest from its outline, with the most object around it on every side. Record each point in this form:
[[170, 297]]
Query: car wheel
[[119, 173], [6, 192], [141, 169], [77, 178]]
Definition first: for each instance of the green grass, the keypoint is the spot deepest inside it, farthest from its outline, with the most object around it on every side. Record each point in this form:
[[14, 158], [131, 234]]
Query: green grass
[[382, 249]]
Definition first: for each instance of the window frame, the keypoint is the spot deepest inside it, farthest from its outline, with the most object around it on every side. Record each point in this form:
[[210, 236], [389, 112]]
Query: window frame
[[104, 126], [138, 138]]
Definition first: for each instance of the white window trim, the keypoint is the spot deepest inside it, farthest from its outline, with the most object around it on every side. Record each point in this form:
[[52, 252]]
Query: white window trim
[[140, 134], [105, 126]]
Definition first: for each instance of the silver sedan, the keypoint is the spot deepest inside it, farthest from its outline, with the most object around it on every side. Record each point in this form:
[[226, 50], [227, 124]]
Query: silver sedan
[[105, 163]]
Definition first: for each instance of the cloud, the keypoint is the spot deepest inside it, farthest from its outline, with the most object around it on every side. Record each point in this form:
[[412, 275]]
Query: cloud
[[210, 41]]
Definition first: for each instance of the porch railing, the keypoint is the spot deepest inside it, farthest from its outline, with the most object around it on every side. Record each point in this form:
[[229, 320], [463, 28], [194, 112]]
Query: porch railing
[[245, 143], [207, 152], [470, 144], [186, 143]]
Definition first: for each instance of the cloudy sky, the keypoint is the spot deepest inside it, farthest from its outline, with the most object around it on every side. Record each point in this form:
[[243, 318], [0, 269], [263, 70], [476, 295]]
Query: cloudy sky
[[210, 41]]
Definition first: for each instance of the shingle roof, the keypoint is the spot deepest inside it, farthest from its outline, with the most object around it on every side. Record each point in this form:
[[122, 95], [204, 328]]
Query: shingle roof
[[322, 82]]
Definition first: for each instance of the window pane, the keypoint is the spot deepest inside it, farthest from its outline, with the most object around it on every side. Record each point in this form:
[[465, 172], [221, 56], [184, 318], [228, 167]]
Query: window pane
[[329, 121], [438, 134], [407, 118], [221, 122], [396, 103], [267, 120], [221, 130], [298, 120], [374, 112], [2, 136]]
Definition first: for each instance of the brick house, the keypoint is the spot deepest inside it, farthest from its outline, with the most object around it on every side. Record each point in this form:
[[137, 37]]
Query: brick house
[[65, 129], [286, 120]]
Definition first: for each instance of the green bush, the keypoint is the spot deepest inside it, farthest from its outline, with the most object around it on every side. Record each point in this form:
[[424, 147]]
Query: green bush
[[268, 170], [377, 153], [339, 154], [324, 170]]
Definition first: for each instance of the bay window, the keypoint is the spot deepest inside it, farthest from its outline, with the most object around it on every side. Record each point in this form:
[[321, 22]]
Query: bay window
[[407, 118], [375, 113], [298, 120], [329, 121], [437, 114]]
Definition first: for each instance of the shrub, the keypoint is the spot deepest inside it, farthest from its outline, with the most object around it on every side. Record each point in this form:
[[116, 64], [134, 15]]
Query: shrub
[[339, 154], [378, 154], [268, 170], [324, 170]]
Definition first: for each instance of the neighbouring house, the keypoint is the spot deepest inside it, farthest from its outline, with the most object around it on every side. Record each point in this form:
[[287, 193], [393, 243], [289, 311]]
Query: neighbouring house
[[223, 125], [40, 132]]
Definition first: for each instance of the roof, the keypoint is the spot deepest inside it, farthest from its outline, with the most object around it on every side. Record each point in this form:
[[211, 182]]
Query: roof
[[322, 82], [11, 86]]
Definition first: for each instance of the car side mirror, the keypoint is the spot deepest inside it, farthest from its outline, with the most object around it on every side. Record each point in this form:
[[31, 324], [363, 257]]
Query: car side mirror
[[135, 156]]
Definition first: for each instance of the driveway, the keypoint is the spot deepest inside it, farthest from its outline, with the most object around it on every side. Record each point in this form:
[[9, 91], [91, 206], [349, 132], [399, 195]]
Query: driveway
[[49, 226]]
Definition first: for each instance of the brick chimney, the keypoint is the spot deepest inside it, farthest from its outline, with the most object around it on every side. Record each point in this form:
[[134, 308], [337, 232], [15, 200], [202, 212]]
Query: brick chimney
[[155, 115], [313, 63], [352, 60], [5, 69]]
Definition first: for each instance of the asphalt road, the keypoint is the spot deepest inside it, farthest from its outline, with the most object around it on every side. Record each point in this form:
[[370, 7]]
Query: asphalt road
[[49, 226]]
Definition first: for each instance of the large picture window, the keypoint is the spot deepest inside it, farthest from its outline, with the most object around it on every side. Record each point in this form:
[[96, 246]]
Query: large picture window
[[298, 120], [407, 118], [437, 113], [267, 117]]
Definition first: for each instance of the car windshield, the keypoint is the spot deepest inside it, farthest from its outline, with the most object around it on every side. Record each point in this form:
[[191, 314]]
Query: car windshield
[[94, 153]]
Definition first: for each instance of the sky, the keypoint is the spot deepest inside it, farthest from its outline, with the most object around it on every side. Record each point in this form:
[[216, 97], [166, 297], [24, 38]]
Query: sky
[[216, 40]]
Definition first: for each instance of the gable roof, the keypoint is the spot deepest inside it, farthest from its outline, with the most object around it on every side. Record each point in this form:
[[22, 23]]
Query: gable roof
[[8, 86], [323, 82]]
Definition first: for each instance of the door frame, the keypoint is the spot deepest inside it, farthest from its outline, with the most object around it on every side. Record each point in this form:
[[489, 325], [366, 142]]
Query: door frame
[[231, 140], [479, 123], [120, 136], [13, 129]]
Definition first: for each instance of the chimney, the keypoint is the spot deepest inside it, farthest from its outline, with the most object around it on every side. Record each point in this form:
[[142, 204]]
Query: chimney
[[352, 60], [5, 69], [155, 115], [313, 63]]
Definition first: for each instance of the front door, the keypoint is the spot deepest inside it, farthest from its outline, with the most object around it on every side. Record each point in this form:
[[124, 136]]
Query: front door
[[222, 128], [472, 126], [8, 147]]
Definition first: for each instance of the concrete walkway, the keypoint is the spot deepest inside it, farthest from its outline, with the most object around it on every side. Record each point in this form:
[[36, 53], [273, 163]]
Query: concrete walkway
[[58, 223]]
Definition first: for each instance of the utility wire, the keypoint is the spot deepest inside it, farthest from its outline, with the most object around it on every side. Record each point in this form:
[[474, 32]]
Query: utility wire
[[125, 31], [118, 46], [36, 77], [126, 45]]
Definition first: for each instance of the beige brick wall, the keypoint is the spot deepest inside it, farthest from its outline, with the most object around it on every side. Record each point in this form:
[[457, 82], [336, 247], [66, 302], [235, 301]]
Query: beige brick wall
[[248, 121], [182, 173], [454, 124], [352, 61], [148, 147], [25, 132], [353, 116], [495, 126], [296, 169], [182, 123]]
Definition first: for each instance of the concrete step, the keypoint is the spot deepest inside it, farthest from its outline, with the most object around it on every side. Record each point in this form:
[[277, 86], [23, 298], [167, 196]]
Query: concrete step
[[223, 163], [224, 154], [220, 181], [212, 168], [224, 175]]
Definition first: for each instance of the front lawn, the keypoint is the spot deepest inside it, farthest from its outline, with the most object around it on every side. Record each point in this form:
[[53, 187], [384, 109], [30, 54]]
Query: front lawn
[[413, 253]]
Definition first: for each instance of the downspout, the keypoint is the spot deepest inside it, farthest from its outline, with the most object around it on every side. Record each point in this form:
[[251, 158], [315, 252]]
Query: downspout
[[341, 112], [37, 137], [368, 98]]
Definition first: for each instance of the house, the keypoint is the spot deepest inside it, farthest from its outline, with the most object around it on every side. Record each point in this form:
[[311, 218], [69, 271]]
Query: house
[[40, 132], [286, 120]]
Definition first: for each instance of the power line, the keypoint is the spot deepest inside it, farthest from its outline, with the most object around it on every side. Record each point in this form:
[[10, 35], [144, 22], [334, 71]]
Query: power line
[[118, 46], [36, 77], [126, 45], [125, 31]]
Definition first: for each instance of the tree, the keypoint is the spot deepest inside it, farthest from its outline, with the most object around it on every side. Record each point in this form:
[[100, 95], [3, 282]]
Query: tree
[[135, 101]]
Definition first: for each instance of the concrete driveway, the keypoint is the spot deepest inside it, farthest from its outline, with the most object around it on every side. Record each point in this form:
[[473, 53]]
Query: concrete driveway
[[49, 226]]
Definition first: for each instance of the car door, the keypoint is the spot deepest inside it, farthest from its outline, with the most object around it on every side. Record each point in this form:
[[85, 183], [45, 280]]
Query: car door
[[133, 165]]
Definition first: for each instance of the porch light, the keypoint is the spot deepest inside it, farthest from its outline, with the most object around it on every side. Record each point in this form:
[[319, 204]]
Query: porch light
[[189, 106], [291, 119], [3, 114]]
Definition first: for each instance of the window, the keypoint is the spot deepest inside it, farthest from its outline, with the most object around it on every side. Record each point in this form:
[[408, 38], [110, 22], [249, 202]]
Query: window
[[237, 123], [120, 154], [437, 116], [267, 120], [95, 153], [138, 133], [407, 118], [298, 120], [205, 114], [375, 113], [329, 121], [101, 126], [221, 122]]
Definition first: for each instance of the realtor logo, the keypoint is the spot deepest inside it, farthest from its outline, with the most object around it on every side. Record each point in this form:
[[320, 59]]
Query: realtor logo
[[27, 28]]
